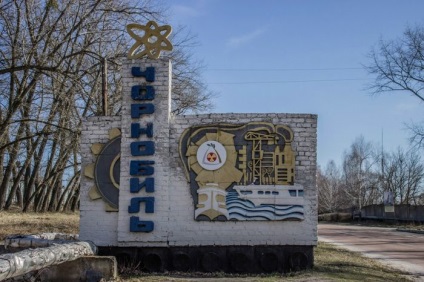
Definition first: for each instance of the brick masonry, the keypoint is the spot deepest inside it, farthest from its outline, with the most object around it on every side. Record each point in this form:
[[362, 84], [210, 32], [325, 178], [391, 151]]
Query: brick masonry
[[100, 226], [174, 210]]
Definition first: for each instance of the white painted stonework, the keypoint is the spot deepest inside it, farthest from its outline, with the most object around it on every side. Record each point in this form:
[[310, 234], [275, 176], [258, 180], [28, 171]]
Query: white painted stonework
[[174, 215]]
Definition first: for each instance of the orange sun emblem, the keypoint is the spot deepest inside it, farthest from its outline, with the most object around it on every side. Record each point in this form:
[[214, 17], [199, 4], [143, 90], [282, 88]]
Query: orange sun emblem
[[211, 157]]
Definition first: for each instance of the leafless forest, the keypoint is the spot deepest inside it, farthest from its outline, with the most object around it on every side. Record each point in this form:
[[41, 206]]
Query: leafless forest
[[52, 57], [366, 173]]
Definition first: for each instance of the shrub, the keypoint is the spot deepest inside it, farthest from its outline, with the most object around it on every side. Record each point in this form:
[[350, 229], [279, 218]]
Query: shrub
[[335, 217]]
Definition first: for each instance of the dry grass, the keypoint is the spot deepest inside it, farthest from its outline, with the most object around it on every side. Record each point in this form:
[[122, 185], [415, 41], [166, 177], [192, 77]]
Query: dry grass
[[415, 227], [34, 223], [339, 264], [331, 263]]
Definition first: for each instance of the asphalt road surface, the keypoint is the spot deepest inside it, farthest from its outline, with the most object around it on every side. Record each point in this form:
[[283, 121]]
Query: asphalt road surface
[[401, 250]]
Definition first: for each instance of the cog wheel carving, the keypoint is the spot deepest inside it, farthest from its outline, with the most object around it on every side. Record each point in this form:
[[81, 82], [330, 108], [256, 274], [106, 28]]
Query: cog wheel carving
[[105, 171]]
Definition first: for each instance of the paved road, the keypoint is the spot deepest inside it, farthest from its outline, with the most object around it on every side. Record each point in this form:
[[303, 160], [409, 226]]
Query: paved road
[[401, 250]]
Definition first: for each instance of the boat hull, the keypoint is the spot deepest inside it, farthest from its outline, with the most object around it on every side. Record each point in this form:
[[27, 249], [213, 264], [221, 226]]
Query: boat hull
[[284, 195]]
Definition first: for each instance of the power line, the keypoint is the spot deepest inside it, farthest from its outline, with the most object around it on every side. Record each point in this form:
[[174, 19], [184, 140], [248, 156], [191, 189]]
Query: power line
[[281, 69], [290, 81]]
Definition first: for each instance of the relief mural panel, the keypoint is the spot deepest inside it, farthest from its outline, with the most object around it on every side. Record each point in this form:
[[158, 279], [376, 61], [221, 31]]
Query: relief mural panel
[[242, 172]]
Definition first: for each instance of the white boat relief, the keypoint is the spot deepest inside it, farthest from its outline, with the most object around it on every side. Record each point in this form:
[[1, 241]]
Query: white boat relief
[[286, 195]]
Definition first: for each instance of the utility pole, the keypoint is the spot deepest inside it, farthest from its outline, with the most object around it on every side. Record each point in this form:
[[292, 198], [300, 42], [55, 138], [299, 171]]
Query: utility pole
[[383, 180], [104, 87]]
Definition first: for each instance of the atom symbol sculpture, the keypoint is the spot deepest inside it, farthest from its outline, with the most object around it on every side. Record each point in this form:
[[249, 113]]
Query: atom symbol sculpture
[[152, 42]]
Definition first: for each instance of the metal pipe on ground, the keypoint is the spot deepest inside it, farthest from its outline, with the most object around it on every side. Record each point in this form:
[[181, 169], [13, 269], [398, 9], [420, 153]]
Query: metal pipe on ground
[[20, 263], [16, 242]]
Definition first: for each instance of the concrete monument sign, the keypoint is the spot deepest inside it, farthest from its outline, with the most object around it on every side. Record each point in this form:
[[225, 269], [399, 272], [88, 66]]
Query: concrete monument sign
[[211, 192]]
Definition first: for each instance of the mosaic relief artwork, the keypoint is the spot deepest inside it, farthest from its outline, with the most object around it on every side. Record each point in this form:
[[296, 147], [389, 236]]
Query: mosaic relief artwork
[[242, 172]]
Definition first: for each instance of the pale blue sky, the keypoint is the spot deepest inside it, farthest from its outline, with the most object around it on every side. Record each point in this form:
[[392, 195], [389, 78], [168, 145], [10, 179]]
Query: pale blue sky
[[304, 56]]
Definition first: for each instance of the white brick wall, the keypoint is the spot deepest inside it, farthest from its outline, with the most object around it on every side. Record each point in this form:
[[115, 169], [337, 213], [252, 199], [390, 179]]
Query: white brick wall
[[96, 224], [187, 231], [160, 120], [174, 209]]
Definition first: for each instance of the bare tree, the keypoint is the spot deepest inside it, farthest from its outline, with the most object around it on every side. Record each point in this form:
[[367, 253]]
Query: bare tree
[[189, 92], [361, 181], [330, 189], [365, 176], [398, 65], [51, 58], [404, 176]]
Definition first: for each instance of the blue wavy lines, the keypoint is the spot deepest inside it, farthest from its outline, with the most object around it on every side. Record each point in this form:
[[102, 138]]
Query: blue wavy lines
[[239, 209]]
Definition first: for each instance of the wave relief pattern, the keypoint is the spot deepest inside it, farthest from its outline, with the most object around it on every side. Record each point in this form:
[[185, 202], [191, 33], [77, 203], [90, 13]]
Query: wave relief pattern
[[245, 210]]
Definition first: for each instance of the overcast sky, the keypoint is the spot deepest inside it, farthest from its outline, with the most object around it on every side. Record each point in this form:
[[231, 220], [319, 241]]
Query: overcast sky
[[304, 56]]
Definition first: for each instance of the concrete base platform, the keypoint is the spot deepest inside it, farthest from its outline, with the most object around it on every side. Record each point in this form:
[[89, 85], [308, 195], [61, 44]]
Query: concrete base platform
[[229, 259]]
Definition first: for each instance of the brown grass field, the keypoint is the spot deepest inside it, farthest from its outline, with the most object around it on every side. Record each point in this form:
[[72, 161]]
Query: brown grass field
[[34, 223], [331, 263]]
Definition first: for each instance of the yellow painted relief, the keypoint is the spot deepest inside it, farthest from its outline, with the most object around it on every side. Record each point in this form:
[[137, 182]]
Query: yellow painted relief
[[152, 43], [259, 169]]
